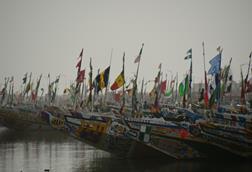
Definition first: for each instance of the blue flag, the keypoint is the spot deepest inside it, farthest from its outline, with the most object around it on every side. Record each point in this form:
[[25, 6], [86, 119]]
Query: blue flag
[[215, 65]]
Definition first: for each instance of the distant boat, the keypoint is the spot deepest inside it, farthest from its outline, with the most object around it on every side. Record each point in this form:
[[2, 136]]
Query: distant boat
[[22, 117]]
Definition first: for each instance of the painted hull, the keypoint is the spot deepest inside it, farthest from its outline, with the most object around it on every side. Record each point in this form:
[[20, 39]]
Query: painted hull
[[108, 134], [167, 137], [235, 140], [17, 119]]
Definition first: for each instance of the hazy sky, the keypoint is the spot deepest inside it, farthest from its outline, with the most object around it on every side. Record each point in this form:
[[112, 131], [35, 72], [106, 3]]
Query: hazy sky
[[47, 36]]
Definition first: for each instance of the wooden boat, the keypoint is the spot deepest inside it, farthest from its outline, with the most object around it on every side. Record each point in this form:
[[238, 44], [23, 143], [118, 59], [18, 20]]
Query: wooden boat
[[229, 131], [107, 132], [22, 118]]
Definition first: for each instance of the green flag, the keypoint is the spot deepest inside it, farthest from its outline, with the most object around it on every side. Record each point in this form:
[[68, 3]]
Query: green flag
[[181, 89], [168, 93], [184, 86]]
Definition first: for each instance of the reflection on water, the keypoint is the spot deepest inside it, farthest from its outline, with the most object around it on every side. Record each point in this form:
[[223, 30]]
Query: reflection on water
[[36, 151]]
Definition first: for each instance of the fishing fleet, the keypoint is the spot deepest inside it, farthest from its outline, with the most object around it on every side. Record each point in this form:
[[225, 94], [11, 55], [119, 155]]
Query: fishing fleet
[[128, 122]]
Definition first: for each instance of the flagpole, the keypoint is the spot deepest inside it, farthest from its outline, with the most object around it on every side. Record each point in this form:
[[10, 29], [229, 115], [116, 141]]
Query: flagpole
[[82, 89], [134, 99], [205, 76], [141, 100], [49, 91], [106, 90], [29, 85], [225, 79], [219, 81], [139, 63], [124, 81], [176, 90], [90, 100]]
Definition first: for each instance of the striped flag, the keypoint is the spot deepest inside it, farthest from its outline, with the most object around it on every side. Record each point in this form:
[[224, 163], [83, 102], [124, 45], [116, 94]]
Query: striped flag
[[118, 82]]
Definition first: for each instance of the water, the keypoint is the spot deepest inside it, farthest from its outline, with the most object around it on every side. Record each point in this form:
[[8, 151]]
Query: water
[[40, 150]]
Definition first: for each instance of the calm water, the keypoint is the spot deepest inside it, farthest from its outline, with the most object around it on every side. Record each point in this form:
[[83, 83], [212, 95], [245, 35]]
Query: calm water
[[36, 151]]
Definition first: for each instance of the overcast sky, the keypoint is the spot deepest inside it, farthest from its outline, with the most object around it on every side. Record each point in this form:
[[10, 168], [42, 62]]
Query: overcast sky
[[46, 36]]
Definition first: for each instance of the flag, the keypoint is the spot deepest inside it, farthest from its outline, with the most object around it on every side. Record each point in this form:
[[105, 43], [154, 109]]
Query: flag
[[159, 66], [181, 89], [79, 64], [137, 60], [118, 82], [170, 90], [189, 51], [215, 65], [163, 87], [102, 79], [25, 78], [81, 76], [229, 84], [28, 88], [57, 79], [152, 93], [189, 54], [183, 86], [168, 93], [81, 54]]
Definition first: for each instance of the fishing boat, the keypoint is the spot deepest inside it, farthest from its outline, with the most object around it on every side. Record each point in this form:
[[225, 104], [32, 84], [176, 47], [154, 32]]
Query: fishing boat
[[107, 132], [22, 118]]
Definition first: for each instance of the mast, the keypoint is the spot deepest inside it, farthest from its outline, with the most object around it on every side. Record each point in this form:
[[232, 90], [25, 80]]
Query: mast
[[242, 88], [106, 89], [225, 73], [29, 85], [123, 103], [190, 82], [246, 79], [90, 100], [218, 79], [141, 98], [176, 90], [12, 91], [134, 98], [205, 76], [49, 89]]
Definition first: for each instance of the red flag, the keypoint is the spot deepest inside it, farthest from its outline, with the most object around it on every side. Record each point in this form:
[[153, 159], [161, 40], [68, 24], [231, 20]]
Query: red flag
[[163, 87], [79, 63], [81, 76]]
